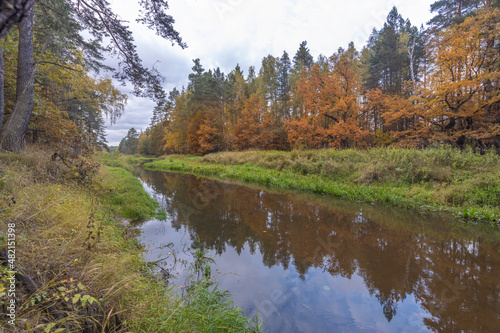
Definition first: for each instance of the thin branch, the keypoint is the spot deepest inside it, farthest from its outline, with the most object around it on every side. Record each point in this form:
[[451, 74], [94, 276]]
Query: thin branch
[[108, 29], [59, 65]]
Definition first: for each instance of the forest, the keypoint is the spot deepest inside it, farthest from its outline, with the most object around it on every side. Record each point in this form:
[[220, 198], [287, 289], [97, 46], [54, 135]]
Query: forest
[[407, 87]]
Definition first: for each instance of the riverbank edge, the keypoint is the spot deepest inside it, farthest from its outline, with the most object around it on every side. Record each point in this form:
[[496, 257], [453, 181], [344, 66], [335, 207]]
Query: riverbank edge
[[204, 307], [72, 241], [419, 195]]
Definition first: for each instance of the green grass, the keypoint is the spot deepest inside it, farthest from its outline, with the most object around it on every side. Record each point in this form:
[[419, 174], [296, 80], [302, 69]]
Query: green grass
[[116, 161], [124, 192], [127, 162], [203, 309], [121, 189], [203, 306], [461, 182]]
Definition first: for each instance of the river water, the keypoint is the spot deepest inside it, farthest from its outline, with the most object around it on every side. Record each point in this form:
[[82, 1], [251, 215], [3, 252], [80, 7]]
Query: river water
[[309, 263]]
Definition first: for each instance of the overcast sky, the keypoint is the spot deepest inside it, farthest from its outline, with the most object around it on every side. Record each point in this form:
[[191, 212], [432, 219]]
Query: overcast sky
[[224, 33]]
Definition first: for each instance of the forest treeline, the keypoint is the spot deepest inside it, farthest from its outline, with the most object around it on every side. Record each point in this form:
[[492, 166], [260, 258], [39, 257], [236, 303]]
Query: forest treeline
[[408, 87]]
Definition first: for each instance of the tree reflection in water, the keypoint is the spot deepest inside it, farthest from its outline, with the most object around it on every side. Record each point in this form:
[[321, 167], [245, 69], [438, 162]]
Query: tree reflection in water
[[448, 267]]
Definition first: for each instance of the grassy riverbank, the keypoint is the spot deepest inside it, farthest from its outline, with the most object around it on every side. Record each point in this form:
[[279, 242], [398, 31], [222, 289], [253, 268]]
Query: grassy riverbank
[[461, 182], [86, 268]]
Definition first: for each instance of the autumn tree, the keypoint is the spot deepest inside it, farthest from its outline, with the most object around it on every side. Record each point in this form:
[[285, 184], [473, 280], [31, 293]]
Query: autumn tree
[[407, 87], [156, 137], [305, 133], [153, 138], [395, 120], [144, 143], [90, 100], [70, 104], [330, 91], [175, 132], [249, 127], [205, 106], [347, 130], [236, 94], [461, 95]]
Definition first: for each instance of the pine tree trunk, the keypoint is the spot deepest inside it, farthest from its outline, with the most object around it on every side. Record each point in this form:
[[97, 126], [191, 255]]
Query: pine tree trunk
[[2, 75], [11, 12], [14, 131]]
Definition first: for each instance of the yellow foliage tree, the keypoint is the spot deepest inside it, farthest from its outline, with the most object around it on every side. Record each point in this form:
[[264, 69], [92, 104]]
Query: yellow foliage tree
[[461, 95]]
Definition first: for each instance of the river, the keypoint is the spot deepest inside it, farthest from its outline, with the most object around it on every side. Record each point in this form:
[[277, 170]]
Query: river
[[310, 263]]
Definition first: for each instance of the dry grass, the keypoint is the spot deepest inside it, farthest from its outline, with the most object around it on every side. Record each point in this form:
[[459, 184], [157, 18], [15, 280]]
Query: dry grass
[[57, 237], [65, 236]]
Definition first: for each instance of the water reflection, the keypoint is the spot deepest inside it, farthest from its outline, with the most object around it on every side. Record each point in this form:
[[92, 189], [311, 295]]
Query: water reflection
[[311, 264]]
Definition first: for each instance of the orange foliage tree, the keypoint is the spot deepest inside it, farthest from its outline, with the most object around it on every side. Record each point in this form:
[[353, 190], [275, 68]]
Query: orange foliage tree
[[461, 94], [207, 134], [330, 98], [304, 133], [203, 133], [394, 119], [248, 129], [175, 130], [453, 96]]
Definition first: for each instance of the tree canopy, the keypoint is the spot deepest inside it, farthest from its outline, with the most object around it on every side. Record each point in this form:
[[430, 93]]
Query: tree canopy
[[56, 40]]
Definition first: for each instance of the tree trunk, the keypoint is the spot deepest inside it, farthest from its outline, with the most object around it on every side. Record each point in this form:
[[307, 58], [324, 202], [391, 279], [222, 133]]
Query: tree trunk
[[2, 73], [14, 131], [411, 51], [12, 12]]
